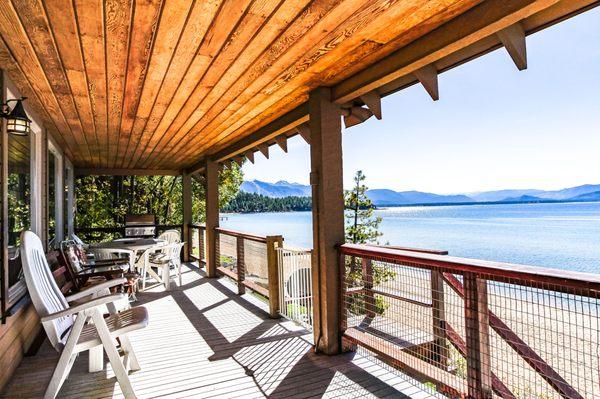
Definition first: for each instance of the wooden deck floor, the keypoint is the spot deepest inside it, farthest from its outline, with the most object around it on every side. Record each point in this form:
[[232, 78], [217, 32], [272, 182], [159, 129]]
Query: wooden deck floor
[[205, 341]]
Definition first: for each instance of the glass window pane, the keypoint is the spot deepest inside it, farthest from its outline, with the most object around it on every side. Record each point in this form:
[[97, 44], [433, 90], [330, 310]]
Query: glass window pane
[[19, 193], [51, 198]]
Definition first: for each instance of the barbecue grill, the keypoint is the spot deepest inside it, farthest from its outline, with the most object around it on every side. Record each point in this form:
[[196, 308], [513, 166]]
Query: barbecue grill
[[143, 226]]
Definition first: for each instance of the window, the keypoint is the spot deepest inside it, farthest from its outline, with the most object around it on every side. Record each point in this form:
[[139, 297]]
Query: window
[[56, 194]]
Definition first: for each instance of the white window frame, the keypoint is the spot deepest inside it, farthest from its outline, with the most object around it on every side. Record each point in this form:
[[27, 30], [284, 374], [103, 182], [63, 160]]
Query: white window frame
[[59, 191]]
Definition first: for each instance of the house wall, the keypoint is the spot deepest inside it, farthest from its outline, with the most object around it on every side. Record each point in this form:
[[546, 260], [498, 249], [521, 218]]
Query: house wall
[[20, 330]]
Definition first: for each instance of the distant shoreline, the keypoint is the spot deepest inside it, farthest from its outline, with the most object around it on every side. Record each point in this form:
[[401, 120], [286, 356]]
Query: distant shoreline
[[379, 207]]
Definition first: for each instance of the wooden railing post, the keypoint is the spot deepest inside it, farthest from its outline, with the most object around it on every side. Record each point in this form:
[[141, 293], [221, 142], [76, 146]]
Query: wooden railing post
[[479, 376], [186, 180], [201, 254], [217, 249], [440, 347], [273, 242], [241, 265], [367, 276]]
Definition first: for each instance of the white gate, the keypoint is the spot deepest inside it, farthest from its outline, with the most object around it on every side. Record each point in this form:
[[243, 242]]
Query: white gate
[[295, 285]]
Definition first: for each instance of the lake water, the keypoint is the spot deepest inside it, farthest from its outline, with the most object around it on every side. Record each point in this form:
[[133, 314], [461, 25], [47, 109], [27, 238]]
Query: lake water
[[565, 236]]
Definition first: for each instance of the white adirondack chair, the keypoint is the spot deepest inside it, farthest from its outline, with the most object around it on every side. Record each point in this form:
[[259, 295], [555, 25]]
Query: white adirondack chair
[[68, 327], [170, 255]]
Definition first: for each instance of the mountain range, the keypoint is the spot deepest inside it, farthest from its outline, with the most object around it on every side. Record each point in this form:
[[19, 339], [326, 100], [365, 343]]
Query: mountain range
[[386, 197]]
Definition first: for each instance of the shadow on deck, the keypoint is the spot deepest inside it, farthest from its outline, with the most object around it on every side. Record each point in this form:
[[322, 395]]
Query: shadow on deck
[[204, 340]]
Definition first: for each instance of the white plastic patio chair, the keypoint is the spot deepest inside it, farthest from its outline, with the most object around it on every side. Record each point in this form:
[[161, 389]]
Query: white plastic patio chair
[[170, 256], [67, 326], [170, 236]]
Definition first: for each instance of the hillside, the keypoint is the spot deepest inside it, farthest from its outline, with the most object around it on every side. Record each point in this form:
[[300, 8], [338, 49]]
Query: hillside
[[387, 197]]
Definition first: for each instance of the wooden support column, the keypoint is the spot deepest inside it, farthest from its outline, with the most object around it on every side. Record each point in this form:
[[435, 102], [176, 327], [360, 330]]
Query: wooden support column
[[479, 375], [4, 199], [187, 214], [328, 216], [212, 217], [241, 265], [273, 242]]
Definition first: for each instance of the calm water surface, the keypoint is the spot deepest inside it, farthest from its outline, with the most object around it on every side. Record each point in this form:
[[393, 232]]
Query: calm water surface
[[565, 236]]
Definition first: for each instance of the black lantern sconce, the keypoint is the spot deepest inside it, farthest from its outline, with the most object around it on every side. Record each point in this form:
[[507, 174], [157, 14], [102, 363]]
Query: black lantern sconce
[[17, 121]]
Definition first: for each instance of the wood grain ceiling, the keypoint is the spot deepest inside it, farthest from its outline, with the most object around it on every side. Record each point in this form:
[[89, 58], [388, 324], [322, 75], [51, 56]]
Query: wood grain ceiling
[[151, 84]]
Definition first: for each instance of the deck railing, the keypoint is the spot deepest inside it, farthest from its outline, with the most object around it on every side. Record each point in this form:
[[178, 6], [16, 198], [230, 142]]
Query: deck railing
[[474, 328], [295, 285], [197, 249], [251, 261]]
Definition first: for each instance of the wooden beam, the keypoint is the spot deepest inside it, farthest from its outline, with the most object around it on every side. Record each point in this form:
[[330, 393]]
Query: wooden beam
[[250, 156], [428, 76], [304, 131], [328, 216], [356, 115], [476, 24], [239, 161], [282, 142], [267, 133], [127, 172], [372, 100], [264, 149], [513, 39], [212, 216], [187, 214]]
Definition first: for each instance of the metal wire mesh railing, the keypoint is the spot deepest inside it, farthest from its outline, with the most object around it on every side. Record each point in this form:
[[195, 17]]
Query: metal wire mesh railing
[[244, 258], [295, 285], [198, 242], [475, 328]]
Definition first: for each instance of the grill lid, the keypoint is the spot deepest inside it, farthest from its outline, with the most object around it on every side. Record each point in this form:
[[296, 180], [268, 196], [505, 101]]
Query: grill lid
[[140, 220]]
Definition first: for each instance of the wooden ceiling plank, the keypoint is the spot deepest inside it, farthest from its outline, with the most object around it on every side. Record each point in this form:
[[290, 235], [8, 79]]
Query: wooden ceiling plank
[[117, 24], [222, 28], [342, 38], [170, 28], [143, 31], [89, 15], [199, 21], [250, 24], [61, 19], [26, 50], [310, 26]]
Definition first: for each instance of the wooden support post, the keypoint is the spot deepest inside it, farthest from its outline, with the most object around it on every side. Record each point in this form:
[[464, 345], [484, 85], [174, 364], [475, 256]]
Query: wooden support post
[[241, 265], [201, 254], [4, 237], [440, 347], [479, 376], [273, 242], [328, 216], [212, 217], [186, 181], [367, 276]]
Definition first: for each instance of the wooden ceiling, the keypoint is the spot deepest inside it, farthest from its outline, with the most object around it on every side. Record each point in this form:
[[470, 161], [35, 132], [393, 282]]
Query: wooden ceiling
[[161, 84]]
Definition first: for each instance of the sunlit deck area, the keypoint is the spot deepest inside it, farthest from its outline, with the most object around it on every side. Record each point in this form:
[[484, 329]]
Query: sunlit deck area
[[204, 340]]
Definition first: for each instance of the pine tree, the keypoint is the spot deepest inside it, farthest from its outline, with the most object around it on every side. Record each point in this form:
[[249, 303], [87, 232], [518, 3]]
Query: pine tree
[[361, 226]]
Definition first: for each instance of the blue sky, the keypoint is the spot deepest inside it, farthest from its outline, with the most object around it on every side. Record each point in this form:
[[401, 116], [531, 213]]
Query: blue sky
[[493, 127]]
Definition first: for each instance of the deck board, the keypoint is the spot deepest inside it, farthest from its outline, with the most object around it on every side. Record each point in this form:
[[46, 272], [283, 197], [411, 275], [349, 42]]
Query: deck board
[[205, 341]]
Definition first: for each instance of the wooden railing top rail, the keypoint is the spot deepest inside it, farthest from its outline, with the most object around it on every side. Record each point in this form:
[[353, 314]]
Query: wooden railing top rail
[[540, 277], [247, 236], [197, 225]]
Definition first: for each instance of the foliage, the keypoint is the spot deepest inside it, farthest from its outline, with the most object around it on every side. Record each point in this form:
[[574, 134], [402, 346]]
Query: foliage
[[18, 204], [252, 202], [103, 201], [363, 228]]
